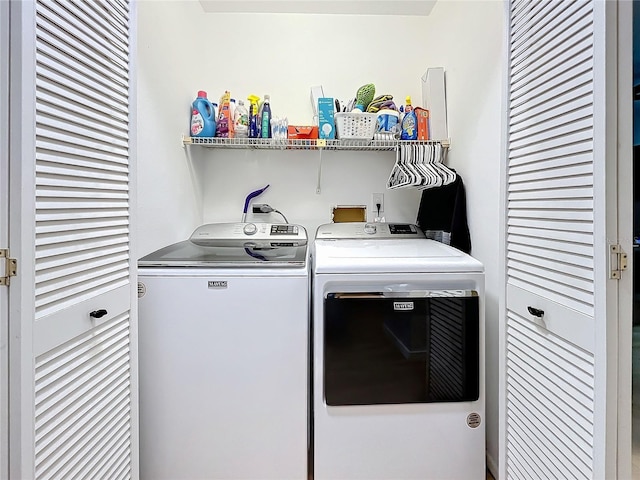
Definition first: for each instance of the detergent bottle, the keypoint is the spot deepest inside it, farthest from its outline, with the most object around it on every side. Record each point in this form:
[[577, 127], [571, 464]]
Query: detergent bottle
[[409, 123], [241, 120], [265, 117], [203, 119], [253, 115], [225, 118]]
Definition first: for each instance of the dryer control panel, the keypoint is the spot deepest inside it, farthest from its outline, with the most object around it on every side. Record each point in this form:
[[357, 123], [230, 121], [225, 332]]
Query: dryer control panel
[[373, 230]]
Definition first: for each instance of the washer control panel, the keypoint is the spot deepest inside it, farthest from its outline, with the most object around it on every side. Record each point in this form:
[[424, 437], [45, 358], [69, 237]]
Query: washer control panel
[[264, 234], [373, 230]]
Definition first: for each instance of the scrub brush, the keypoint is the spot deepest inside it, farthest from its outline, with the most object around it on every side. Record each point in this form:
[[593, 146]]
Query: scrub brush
[[365, 95]]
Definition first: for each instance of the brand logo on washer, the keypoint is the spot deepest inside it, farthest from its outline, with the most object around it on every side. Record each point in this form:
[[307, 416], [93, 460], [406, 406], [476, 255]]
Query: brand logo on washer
[[217, 284], [403, 305]]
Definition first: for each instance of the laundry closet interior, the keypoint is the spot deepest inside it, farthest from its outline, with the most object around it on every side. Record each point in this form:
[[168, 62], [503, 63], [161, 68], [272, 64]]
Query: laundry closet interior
[[184, 47]]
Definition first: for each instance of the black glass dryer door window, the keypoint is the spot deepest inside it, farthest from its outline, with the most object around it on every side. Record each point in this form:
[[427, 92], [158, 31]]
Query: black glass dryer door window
[[393, 350]]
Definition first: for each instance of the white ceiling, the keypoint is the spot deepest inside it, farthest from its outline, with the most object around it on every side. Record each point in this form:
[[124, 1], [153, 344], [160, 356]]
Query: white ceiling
[[350, 7]]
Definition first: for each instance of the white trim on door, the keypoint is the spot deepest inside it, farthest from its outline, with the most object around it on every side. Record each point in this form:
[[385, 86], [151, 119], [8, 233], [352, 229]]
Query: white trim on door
[[4, 240], [625, 236]]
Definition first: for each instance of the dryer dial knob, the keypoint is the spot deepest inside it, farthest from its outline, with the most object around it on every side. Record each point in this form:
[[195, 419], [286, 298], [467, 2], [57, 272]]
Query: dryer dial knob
[[370, 228], [250, 229]]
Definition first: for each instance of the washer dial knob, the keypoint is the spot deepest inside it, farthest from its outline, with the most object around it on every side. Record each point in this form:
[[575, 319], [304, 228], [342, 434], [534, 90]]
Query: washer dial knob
[[250, 229], [370, 228]]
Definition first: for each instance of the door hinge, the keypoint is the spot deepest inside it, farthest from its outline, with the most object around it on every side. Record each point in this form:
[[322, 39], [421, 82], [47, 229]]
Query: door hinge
[[10, 267], [618, 261]]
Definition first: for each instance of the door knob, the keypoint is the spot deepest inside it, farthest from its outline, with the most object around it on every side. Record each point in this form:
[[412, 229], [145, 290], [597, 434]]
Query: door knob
[[536, 312], [98, 313]]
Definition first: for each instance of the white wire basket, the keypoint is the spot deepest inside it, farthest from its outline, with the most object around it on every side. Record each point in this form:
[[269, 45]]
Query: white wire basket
[[355, 126]]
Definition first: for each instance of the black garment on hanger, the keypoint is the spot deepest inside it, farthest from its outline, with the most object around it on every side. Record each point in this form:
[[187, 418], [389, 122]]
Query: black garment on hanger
[[442, 215]]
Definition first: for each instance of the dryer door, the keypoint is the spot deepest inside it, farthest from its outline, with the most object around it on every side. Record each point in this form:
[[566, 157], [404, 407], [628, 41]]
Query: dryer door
[[395, 348]]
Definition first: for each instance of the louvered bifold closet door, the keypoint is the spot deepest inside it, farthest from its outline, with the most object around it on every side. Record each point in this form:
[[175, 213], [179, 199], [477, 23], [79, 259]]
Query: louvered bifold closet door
[[83, 386], [549, 391]]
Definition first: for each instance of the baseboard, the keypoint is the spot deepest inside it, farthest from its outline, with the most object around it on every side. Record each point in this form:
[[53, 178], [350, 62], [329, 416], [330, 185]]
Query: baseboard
[[492, 466]]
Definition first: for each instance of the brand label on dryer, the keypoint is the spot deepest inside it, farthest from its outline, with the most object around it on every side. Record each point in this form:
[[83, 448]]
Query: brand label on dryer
[[217, 284], [403, 305]]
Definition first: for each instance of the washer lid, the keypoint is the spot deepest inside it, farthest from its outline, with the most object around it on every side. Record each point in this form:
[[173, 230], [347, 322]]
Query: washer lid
[[188, 254], [235, 245], [390, 256]]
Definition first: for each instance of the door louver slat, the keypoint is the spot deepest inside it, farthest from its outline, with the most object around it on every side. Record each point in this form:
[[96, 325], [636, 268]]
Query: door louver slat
[[63, 170], [578, 166], [557, 256], [570, 184], [536, 160]]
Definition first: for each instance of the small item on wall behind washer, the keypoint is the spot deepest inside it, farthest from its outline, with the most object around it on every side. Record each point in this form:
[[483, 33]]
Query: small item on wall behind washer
[[349, 213], [265, 208]]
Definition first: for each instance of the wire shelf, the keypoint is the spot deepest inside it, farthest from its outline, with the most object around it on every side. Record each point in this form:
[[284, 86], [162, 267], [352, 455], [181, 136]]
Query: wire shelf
[[298, 144]]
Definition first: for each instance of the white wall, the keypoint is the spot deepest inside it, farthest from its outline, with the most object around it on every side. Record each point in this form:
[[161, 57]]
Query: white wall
[[470, 36], [183, 50], [169, 204]]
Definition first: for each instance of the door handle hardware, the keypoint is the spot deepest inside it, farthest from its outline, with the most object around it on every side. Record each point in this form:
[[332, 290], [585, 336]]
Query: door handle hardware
[[98, 313], [536, 312]]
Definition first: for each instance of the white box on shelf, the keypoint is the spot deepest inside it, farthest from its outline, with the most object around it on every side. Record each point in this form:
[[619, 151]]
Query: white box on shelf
[[317, 92], [434, 100]]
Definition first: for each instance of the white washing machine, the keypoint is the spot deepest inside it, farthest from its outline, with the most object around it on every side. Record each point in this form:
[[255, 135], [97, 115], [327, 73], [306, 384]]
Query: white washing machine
[[398, 356], [223, 351]]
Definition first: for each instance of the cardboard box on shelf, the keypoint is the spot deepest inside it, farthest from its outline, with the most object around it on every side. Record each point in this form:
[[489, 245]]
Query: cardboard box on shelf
[[326, 122], [317, 92], [302, 132], [422, 115]]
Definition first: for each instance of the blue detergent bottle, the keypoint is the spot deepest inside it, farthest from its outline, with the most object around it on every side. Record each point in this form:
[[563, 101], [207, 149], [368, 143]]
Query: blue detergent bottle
[[409, 123], [203, 117], [265, 119]]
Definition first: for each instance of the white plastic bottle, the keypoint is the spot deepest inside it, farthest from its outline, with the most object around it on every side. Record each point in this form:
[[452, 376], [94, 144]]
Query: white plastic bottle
[[241, 120]]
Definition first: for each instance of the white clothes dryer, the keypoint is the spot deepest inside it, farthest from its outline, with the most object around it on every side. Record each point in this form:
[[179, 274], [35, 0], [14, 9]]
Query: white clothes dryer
[[223, 354], [398, 356]]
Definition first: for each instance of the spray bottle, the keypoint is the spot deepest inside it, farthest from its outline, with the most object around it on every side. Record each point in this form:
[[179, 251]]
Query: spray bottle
[[253, 115]]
